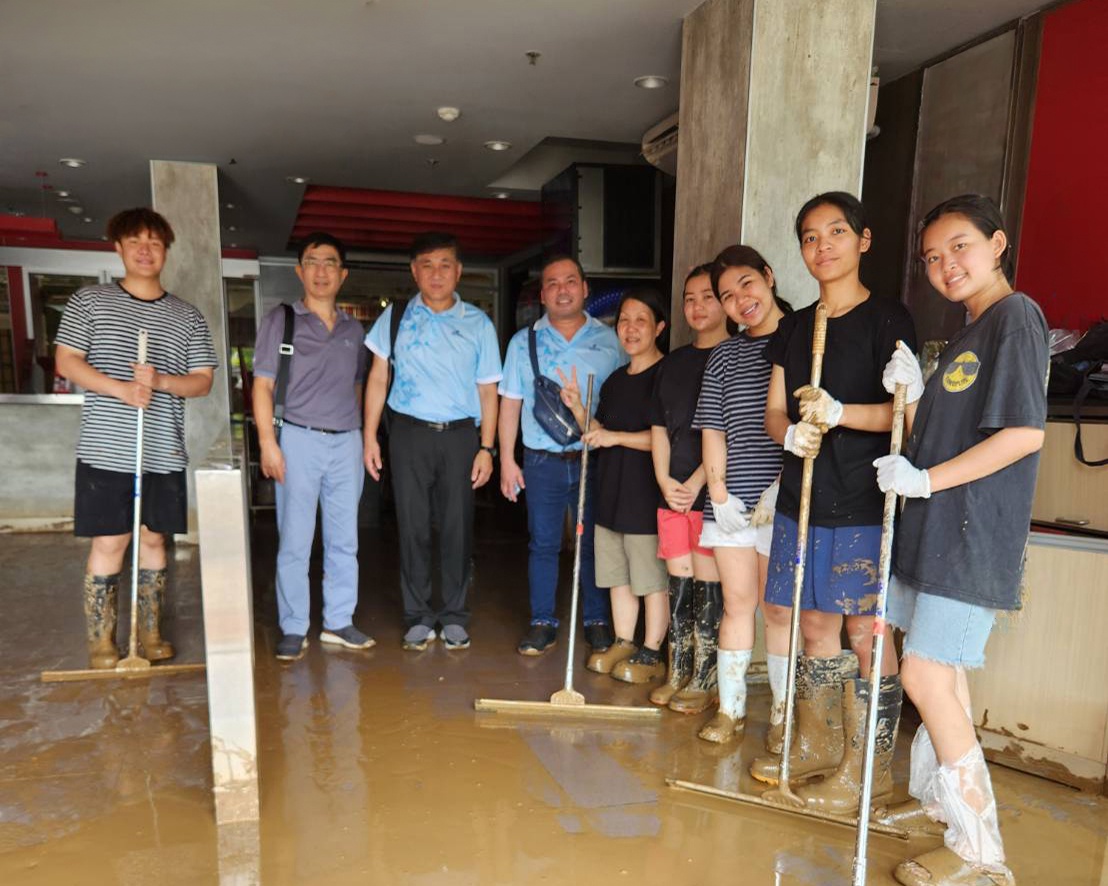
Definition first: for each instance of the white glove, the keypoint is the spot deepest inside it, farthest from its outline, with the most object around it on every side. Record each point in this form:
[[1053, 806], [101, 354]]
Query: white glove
[[903, 368], [817, 407], [730, 514], [895, 472], [803, 440], [767, 505]]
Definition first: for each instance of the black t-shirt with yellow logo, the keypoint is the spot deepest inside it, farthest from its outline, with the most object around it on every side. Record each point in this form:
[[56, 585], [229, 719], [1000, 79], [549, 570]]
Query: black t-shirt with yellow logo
[[968, 542]]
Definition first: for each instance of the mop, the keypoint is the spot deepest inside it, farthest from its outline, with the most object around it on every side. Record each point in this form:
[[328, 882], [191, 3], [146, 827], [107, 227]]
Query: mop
[[782, 798], [567, 700], [134, 665]]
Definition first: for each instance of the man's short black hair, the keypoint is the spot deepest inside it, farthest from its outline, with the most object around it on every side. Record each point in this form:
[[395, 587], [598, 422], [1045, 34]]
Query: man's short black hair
[[322, 238], [132, 222], [429, 241], [556, 257]]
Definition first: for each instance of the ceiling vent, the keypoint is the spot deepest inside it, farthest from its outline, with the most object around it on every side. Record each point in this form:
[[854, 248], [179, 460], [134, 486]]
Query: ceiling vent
[[659, 145]]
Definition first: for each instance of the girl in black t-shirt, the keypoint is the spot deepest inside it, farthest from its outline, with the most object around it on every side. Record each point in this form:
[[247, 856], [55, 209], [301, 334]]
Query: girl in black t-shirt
[[969, 476], [843, 426], [625, 497], [675, 448]]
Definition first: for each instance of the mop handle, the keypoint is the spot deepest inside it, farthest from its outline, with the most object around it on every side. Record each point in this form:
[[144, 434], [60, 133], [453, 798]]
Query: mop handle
[[879, 633], [136, 520], [579, 532], [819, 345]]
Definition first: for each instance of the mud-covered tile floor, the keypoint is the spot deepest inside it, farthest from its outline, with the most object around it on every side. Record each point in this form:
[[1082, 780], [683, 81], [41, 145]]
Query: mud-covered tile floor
[[375, 769]]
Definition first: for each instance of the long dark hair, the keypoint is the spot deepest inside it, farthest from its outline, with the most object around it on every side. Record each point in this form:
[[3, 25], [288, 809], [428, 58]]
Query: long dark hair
[[983, 214], [850, 206], [742, 256]]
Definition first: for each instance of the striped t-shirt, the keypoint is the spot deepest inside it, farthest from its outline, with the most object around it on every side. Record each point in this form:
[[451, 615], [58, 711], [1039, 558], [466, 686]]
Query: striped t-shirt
[[733, 400], [103, 323]]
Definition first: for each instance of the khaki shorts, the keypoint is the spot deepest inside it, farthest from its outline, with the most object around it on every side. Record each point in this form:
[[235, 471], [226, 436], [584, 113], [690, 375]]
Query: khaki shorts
[[623, 560]]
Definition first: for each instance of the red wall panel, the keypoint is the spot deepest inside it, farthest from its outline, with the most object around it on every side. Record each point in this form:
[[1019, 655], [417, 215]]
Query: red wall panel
[[1063, 259]]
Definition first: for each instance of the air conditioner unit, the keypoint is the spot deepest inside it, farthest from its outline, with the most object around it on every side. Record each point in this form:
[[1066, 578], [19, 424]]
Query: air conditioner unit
[[659, 145]]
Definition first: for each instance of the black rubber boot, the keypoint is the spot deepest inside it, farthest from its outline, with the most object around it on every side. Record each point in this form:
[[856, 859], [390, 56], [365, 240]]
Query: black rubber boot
[[701, 691], [151, 595], [101, 612], [680, 639]]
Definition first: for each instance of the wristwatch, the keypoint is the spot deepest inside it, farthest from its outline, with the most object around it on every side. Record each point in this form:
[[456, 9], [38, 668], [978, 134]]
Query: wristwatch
[[491, 450]]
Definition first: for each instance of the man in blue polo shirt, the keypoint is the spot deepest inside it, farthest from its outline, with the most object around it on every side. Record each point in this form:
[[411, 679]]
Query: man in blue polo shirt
[[442, 426], [567, 340], [318, 456]]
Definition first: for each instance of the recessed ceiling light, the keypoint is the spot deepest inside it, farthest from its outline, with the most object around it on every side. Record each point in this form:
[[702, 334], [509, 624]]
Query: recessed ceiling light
[[72, 162], [63, 193], [651, 81], [76, 210], [228, 205], [232, 227], [234, 245], [428, 139], [498, 145], [448, 113], [68, 200], [104, 237], [297, 179], [87, 220], [501, 195]]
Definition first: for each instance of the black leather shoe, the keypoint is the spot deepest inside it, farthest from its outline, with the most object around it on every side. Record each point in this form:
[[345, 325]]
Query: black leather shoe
[[539, 639], [599, 637]]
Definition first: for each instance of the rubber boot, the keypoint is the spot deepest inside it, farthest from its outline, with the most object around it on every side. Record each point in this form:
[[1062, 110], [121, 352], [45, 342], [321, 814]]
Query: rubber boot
[[730, 720], [151, 594], [909, 815], [603, 662], [680, 639], [642, 667], [701, 690], [101, 612], [777, 667], [818, 736], [841, 791]]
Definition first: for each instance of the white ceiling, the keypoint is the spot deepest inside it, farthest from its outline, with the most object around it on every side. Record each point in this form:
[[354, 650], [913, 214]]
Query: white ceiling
[[336, 89]]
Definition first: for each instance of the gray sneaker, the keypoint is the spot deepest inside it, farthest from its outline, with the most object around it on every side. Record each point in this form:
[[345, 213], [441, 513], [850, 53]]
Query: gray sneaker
[[455, 637], [291, 647], [350, 637], [418, 637]]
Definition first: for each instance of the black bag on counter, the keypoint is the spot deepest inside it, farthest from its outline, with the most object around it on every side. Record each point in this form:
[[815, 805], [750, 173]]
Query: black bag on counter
[[1079, 372]]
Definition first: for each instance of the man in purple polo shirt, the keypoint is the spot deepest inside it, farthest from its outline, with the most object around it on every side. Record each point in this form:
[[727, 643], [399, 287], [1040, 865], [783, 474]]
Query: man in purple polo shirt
[[318, 458]]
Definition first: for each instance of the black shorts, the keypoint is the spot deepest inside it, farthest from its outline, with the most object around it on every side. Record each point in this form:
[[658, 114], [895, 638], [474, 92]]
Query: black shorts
[[103, 503]]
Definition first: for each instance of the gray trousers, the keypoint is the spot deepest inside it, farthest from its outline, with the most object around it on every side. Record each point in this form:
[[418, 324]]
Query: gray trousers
[[431, 481]]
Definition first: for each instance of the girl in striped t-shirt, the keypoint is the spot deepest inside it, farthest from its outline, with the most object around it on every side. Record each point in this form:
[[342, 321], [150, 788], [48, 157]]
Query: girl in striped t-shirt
[[742, 462]]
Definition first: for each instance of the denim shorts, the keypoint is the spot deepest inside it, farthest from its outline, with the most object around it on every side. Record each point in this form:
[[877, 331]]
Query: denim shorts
[[939, 629], [840, 572]]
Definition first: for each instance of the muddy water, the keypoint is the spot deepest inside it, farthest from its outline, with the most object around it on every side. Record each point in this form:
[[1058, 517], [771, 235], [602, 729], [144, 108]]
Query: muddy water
[[374, 769]]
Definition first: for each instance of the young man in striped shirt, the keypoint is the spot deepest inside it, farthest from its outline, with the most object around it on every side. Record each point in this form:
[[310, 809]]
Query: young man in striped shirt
[[97, 349]]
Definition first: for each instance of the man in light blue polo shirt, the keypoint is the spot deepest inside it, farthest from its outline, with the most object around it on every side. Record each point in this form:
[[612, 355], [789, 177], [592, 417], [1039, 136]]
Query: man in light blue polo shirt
[[442, 426], [567, 339]]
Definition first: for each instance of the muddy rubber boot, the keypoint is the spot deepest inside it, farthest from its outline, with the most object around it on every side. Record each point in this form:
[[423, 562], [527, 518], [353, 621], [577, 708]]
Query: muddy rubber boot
[[943, 867], [151, 594], [818, 735], [101, 612], [840, 792], [642, 667], [603, 662], [701, 692], [909, 815], [730, 720], [777, 667], [680, 640]]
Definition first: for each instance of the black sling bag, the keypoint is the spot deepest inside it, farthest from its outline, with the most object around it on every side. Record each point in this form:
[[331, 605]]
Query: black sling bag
[[281, 386]]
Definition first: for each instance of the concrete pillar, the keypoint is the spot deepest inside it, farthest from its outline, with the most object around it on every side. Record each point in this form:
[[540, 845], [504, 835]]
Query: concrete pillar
[[773, 111], [187, 195]]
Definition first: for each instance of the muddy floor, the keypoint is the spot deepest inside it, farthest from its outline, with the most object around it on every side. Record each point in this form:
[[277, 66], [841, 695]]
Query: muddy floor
[[375, 769]]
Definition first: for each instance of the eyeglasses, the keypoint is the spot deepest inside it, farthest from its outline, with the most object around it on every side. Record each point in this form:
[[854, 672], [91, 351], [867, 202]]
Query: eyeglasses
[[328, 264]]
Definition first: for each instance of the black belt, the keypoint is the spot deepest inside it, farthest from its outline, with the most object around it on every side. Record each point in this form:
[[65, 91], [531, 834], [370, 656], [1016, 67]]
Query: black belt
[[565, 455], [435, 425], [319, 430]]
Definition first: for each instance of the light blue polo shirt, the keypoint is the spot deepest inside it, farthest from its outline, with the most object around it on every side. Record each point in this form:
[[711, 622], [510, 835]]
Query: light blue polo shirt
[[594, 348], [440, 359]]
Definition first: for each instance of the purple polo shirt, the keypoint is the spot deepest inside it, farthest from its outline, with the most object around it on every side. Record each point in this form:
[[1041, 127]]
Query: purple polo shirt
[[324, 369]]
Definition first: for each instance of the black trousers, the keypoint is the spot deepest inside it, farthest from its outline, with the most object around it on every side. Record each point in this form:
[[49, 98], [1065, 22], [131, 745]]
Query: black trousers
[[431, 482]]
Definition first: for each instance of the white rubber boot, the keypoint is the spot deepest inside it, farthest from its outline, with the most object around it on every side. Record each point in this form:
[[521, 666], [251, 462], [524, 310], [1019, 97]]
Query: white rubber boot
[[730, 719], [777, 669]]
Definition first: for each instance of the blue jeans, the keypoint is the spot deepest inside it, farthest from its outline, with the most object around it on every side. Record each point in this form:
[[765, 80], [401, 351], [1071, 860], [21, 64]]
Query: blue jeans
[[323, 469], [551, 486]]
